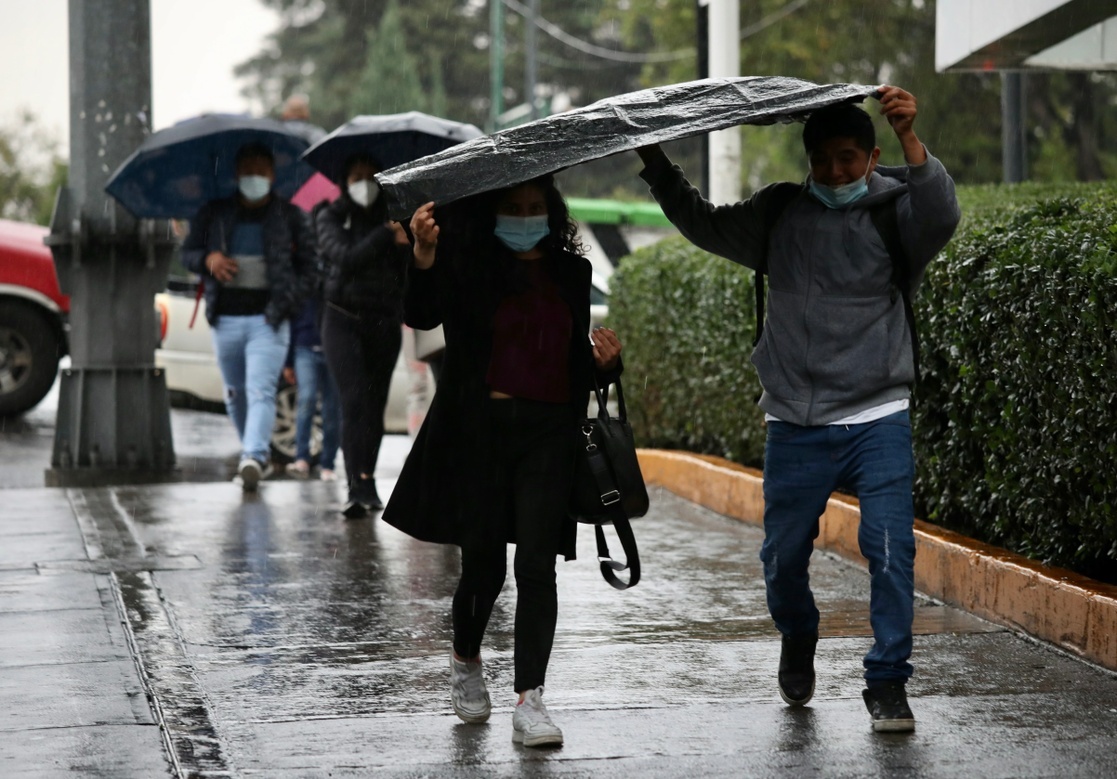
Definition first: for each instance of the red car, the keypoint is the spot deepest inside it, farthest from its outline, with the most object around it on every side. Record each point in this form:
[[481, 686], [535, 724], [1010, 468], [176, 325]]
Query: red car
[[33, 313]]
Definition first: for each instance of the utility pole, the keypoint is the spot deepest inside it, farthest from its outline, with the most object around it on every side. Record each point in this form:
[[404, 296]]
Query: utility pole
[[1013, 141], [113, 412], [530, 68], [496, 63], [702, 34], [725, 61]]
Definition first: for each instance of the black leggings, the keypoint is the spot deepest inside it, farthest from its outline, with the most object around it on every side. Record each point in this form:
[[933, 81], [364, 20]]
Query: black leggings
[[529, 481], [361, 353]]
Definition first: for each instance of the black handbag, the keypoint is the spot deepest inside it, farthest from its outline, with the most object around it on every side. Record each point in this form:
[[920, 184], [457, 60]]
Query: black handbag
[[608, 486]]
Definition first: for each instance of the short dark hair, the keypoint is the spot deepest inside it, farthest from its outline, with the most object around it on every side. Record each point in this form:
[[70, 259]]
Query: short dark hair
[[254, 150], [844, 120]]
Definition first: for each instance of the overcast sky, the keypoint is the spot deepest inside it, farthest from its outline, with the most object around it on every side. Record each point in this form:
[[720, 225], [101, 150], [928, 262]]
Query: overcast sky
[[195, 45]]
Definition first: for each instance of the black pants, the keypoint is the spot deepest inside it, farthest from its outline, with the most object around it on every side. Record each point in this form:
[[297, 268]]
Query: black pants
[[361, 353], [529, 484]]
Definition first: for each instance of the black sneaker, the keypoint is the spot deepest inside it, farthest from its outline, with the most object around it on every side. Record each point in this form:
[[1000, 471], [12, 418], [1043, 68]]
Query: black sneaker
[[364, 490], [887, 703], [354, 509], [796, 675]]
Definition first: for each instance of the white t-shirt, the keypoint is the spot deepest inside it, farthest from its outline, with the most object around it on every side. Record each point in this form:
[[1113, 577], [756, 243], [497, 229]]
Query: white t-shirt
[[868, 415]]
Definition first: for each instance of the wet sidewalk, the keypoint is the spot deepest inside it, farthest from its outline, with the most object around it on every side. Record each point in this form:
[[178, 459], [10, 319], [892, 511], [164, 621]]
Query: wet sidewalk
[[187, 630]]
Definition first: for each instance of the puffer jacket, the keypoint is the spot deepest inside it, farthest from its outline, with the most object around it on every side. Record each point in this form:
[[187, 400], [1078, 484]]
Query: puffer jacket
[[289, 253], [836, 341], [364, 267]]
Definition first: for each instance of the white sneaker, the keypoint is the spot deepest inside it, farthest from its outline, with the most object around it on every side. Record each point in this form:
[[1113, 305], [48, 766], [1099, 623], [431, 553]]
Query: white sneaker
[[531, 724], [468, 695], [300, 469], [250, 474]]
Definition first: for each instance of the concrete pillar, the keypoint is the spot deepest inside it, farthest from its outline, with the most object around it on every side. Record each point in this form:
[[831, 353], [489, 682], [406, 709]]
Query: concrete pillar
[[725, 61], [113, 412]]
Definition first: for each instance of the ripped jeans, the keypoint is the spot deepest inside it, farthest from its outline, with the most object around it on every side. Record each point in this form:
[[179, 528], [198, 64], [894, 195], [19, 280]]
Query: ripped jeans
[[250, 354], [802, 466]]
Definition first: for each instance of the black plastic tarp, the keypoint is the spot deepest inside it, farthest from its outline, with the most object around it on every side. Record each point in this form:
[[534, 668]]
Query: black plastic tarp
[[609, 126]]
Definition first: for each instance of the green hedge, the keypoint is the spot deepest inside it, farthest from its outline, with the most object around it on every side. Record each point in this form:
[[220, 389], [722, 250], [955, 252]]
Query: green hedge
[[1015, 416]]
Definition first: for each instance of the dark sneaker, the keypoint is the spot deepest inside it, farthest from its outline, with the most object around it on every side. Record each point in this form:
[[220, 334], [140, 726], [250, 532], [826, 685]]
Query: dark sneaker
[[364, 490], [887, 703], [354, 509], [796, 675]]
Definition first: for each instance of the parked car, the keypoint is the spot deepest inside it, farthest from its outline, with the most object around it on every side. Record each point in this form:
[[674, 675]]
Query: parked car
[[194, 381], [33, 317]]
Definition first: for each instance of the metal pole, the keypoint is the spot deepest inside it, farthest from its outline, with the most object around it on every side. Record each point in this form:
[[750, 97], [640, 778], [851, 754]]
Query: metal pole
[[1013, 140], [725, 60], [530, 69], [702, 19], [113, 413], [496, 63]]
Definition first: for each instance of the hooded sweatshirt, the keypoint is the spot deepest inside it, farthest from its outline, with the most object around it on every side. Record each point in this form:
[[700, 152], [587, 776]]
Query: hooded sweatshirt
[[836, 340]]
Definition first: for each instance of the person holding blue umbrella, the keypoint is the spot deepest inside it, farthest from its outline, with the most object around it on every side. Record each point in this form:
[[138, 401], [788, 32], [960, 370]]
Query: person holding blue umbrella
[[256, 255]]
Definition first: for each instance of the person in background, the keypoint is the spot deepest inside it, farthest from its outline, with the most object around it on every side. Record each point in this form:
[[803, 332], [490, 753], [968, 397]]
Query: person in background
[[256, 255], [493, 462], [296, 115], [364, 257], [306, 368], [836, 363]]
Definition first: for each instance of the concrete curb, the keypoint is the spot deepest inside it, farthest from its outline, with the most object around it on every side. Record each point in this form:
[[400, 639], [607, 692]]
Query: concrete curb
[[1052, 604]]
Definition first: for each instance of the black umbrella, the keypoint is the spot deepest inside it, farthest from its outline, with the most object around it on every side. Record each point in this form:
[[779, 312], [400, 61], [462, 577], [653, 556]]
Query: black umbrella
[[390, 139], [606, 127], [179, 168]]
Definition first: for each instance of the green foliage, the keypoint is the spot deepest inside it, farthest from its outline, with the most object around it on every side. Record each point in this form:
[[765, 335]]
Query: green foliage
[[1015, 416], [1017, 411], [389, 83], [31, 171], [687, 322]]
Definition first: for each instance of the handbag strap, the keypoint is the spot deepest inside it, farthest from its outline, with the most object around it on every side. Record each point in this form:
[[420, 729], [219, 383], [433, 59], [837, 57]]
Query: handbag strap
[[611, 498]]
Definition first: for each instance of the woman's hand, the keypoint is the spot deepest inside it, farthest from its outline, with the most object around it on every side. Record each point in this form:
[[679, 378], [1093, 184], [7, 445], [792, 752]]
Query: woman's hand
[[425, 230], [399, 234], [606, 348]]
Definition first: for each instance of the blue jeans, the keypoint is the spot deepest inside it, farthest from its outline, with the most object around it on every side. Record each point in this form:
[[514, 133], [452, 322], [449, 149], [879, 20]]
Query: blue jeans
[[314, 379], [802, 466], [250, 354]]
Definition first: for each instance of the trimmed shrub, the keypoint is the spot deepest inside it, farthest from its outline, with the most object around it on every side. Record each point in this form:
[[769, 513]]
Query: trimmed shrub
[[1015, 416]]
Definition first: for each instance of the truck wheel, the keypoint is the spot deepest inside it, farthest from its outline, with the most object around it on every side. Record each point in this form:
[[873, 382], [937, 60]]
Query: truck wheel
[[30, 347], [283, 434]]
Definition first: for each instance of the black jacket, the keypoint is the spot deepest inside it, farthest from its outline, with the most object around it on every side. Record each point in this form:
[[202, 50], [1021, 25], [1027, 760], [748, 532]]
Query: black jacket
[[438, 496], [363, 266], [289, 253]]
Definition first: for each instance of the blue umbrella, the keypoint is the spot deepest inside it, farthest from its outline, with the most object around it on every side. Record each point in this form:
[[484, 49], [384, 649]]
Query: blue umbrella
[[179, 168], [390, 139]]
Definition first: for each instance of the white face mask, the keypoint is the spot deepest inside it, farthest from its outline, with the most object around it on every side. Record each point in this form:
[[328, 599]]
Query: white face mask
[[364, 192], [254, 188]]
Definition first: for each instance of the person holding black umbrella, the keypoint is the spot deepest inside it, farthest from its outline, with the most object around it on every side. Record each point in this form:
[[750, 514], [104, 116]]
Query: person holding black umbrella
[[256, 255], [493, 462], [364, 256]]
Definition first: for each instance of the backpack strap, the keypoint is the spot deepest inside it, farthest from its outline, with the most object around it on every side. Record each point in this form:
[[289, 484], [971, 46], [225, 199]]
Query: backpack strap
[[887, 224], [776, 201]]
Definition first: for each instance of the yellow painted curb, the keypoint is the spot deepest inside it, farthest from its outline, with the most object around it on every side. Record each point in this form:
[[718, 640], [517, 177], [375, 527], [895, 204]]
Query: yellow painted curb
[[1052, 604]]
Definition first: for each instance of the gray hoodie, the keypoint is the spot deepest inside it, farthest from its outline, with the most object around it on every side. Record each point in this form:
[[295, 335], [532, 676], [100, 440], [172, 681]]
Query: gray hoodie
[[836, 340]]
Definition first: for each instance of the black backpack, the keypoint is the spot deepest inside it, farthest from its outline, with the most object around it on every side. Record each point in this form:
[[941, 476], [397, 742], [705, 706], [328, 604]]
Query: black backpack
[[887, 224]]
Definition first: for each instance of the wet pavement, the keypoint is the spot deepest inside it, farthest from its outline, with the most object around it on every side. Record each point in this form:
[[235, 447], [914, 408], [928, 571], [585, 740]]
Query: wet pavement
[[185, 629]]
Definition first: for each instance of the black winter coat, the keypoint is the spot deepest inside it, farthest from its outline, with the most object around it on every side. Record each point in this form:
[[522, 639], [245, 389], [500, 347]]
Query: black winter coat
[[289, 253], [364, 267], [438, 496]]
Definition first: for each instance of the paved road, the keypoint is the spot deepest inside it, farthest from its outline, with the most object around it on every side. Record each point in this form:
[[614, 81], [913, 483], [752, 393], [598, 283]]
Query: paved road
[[185, 629]]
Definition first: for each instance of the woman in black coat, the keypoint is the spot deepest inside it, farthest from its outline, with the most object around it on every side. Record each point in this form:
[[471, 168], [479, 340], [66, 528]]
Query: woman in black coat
[[365, 258], [494, 459]]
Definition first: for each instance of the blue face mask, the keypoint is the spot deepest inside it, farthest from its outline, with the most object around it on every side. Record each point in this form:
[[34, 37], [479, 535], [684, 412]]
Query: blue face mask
[[521, 233], [840, 196]]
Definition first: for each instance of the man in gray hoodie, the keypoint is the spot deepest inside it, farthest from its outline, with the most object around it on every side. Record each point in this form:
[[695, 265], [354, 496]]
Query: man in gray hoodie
[[836, 362]]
